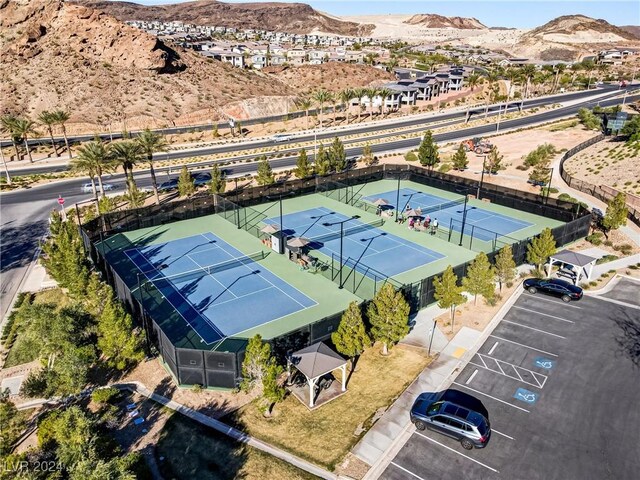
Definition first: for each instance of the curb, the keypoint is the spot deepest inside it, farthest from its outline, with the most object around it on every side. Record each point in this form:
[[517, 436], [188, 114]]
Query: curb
[[383, 462]]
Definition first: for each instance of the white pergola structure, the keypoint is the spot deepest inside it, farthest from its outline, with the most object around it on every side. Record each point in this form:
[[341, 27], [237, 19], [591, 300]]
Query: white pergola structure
[[581, 262], [314, 362]]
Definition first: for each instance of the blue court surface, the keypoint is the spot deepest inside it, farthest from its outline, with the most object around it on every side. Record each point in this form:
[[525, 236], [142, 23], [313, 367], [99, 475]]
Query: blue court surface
[[446, 210], [365, 245], [236, 294]]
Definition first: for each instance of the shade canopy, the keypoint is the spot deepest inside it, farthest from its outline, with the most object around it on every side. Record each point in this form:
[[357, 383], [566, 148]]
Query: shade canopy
[[298, 242], [316, 360], [414, 212], [381, 202], [573, 258], [271, 228]]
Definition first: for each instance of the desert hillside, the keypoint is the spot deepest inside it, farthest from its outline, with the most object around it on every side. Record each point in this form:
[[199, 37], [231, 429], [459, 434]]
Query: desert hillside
[[332, 76], [282, 17], [578, 29], [62, 55], [431, 20]]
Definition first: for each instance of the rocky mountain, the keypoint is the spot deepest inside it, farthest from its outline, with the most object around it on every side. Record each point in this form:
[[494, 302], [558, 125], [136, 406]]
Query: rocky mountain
[[632, 29], [283, 17], [62, 55], [431, 20], [578, 29]]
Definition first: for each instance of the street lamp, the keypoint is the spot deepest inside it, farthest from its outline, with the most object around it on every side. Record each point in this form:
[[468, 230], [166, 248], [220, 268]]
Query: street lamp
[[280, 233], [484, 159], [549, 185], [341, 223], [398, 198]]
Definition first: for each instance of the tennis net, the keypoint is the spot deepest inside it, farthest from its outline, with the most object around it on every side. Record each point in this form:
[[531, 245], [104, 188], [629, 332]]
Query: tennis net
[[362, 227], [207, 270], [442, 206]]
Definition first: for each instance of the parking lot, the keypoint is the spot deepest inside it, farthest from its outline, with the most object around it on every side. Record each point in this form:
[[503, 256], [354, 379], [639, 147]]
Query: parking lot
[[560, 384]]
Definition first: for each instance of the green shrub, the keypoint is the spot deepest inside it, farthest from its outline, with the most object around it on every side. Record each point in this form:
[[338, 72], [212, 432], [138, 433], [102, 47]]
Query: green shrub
[[606, 258], [197, 388], [608, 243], [444, 168], [104, 395], [594, 238], [566, 197], [625, 248], [411, 157]]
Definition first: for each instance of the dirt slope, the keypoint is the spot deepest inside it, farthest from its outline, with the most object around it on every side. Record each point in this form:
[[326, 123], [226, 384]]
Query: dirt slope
[[283, 17], [431, 20]]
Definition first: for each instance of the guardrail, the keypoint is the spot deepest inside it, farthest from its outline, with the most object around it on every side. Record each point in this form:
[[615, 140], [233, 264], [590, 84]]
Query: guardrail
[[603, 193]]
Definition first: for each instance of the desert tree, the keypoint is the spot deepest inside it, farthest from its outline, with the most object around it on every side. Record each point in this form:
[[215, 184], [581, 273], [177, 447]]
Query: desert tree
[[321, 97], [428, 151], [93, 157], [127, 154], [303, 169], [256, 359], [505, 266], [118, 341], [384, 93], [151, 142], [616, 213], [448, 293], [479, 279], [7, 123], [338, 155], [388, 314], [218, 183], [61, 118], [346, 96], [322, 162], [265, 174], [367, 155], [351, 339], [459, 159], [305, 105], [186, 183], [494, 161], [541, 248], [25, 128]]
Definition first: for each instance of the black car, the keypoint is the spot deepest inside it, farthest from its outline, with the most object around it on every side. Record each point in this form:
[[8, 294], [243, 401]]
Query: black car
[[470, 428], [552, 286], [168, 186], [201, 178]]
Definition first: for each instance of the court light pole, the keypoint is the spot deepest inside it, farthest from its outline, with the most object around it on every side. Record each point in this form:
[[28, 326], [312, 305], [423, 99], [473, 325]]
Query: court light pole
[[280, 233], [464, 217], [549, 185], [341, 223], [398, 198], [484, 159]]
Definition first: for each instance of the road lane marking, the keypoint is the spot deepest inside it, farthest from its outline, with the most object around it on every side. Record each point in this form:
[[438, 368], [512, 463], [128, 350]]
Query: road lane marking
[[530, 295], [490, 396], [493, 348], [500, 433], [405, 470], [545, 314], [536, 329], [525, 346], [471, 377], [457, 452]]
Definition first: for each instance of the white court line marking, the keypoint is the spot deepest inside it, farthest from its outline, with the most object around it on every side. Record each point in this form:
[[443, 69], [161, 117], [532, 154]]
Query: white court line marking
[[525, 346], [536, 329], [545, 314], [457, 452], [475, 372], [405, 470], [500, 433], [493, 348], [490, 396], [540, 297]]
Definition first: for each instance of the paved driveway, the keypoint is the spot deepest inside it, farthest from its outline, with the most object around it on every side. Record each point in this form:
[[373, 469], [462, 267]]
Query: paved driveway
[[561, 387]]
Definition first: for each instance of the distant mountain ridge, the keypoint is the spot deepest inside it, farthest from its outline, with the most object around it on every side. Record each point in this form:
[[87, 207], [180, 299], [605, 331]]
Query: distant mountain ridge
[[432, 20], [283, 17], [579, 29]]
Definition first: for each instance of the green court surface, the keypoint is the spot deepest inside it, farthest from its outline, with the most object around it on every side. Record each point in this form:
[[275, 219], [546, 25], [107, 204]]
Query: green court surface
[[329, 299]]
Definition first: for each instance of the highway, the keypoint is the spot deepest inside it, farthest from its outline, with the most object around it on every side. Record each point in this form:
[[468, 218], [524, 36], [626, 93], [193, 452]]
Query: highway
[[24, 213], [418, 122]]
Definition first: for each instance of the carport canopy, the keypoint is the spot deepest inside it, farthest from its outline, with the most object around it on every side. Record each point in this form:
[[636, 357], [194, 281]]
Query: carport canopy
[[581, 262], [315, 361]]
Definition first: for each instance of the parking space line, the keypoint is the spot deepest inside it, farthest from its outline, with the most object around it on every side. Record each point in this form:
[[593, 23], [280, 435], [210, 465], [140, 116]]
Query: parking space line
[[531, 328], [475, 372], [525, 346], [457, 452], [516, 369], [529, 295], [490, 396], [405, 470], [545, 314], [500, 433], [493, 348], [617, 302]]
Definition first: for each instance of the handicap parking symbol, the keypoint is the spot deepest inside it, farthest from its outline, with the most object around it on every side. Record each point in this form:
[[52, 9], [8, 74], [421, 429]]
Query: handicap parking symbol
[[544, 363], [526, 396]]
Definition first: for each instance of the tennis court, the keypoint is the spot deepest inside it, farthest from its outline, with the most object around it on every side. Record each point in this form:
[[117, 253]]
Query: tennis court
[[449, 213], [218, 290], [365, 246]]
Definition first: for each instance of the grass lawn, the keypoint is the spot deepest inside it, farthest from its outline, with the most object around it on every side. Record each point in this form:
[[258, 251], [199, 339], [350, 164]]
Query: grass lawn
[[327, 434], [191, 450]]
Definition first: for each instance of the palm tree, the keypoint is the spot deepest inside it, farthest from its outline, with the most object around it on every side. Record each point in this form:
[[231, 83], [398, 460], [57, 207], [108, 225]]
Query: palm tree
[[559, 69], [126, 153], [371, 92], [359, 93], [474, 80], [345, 97], [85, 164], [589, 67], [7, 122], [384, 94], [48, 119], [150, 142], [331, 98], [305, 104], [392, 63], [321, 97], [62, 117], [512, 75], [23, 128], [95, 159], [527, 71]]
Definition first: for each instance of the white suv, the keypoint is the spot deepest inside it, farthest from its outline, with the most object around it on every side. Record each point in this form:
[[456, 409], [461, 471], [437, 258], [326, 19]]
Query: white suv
[[281, 137], [87, 188]]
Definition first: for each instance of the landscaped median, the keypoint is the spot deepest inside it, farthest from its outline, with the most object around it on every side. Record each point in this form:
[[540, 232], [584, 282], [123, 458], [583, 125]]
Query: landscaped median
[[326, 435]]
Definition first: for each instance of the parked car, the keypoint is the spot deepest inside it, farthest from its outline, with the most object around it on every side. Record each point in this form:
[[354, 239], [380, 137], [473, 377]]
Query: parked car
[[87, 188], [470, 428], [552, 286], [169, 185], [537, 183], [201, 178], [281, 137]]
